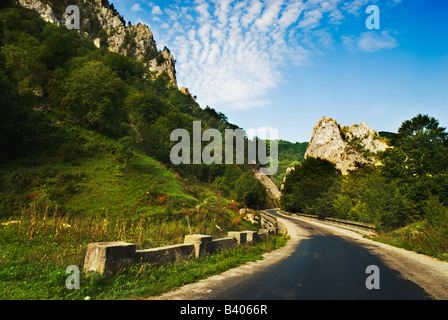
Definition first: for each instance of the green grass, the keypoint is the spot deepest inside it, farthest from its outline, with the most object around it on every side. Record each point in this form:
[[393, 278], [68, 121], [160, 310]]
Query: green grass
[[39, 244], [422, 237], [53, 205], [92, 184], [36, 250]]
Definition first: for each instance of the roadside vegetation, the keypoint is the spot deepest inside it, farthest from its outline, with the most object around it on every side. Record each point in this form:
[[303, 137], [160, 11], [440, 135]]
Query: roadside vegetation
[[85, 157], [38, 248]]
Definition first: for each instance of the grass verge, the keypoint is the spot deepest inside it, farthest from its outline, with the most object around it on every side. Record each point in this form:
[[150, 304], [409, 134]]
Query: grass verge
[[27, 281], [422, 237]]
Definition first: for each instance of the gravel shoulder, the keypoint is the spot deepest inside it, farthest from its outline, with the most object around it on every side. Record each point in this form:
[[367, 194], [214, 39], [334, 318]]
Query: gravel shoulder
[[429, 273]]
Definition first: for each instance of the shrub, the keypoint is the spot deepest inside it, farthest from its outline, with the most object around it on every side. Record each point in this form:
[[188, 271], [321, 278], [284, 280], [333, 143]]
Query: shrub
[[249, 191], [95, 97]]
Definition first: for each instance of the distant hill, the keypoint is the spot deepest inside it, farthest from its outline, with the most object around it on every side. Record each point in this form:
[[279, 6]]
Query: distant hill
[[387, 135], [289, 154]]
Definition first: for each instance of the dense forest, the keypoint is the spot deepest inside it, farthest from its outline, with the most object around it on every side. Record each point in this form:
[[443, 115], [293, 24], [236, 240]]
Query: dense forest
[[64, 101]]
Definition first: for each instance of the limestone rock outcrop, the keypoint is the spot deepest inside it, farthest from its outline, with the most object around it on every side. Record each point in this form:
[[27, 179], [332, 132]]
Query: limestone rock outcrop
[[271, 189], [168, 66], [101, 23], [344, 146]]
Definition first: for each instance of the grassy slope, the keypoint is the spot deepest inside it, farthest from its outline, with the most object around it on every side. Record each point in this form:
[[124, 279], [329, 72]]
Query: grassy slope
[[89, 185], [67, 205], [71, 187], [421, 237]]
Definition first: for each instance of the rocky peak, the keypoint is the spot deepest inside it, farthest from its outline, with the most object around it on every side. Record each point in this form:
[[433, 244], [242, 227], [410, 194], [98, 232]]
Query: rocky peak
[[344, 146], [164, 64], [100, 22]]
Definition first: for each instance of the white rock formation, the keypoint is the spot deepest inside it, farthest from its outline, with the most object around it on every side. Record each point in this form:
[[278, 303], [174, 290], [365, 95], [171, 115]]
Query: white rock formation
[[344, 146], [114, 26], [271, 189], [168, 66]]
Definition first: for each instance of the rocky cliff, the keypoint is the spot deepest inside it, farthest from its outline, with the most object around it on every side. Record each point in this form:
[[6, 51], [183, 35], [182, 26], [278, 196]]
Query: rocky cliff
[[271, 189], [344, 146], [100, 22]]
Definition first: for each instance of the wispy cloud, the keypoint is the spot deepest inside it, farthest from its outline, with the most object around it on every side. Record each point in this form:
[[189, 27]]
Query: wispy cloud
[[136, 7], [374, 41], [371, 41], [156, 10], [232, 53]]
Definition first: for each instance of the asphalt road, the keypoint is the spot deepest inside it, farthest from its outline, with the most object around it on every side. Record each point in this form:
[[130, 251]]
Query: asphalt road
[[324, 266]]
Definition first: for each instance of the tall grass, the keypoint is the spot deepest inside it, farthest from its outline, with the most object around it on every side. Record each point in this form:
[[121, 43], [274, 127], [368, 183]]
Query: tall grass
[[37, 245]]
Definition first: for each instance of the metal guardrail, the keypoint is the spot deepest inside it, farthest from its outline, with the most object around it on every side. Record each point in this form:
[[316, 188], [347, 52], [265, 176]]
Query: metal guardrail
[[269, 220], [363, 225]]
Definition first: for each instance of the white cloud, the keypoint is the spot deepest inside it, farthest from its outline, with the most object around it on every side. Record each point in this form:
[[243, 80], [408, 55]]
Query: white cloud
[[349, 42], [311, 19], [136, 7], [232, 53], [230, 56], [291, 14], [355, 7], [336, 16], [269, 16], [222, 10], [202, 9], [372, 41], [156, 10], [252, 12]]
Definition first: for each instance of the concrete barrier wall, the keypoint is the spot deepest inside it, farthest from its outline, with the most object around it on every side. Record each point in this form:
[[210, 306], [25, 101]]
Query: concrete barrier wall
[[109, 257], [112, 257], [164, 255], [223, 244]]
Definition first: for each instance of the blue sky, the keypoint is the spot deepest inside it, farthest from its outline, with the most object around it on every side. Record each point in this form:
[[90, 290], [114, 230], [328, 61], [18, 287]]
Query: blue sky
[[285, 64]]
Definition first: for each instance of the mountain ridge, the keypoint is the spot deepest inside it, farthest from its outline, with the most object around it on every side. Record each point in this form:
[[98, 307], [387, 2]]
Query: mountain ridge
[[101, 22]]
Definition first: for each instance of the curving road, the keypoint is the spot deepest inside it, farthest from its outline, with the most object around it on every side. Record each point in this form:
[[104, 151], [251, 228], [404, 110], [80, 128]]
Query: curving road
[[324, 262], [327, 266]]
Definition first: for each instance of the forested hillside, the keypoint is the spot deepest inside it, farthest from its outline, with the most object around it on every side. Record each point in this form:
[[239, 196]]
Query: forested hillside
[[85, 157], [85, 131]]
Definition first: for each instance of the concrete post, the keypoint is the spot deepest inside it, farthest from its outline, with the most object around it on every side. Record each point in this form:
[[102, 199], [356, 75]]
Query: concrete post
[[251, 236], [202, 243], [272, 231], [241, 237], [109, 257]]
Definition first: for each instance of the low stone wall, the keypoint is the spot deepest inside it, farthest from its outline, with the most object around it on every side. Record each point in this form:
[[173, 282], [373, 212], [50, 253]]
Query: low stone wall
[[111, 257], [164, 255]]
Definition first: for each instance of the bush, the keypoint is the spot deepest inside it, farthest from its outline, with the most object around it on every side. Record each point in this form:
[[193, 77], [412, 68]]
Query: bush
[[249, 191], [435, 212], [95, 97], [366, 196], [305, 185]]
